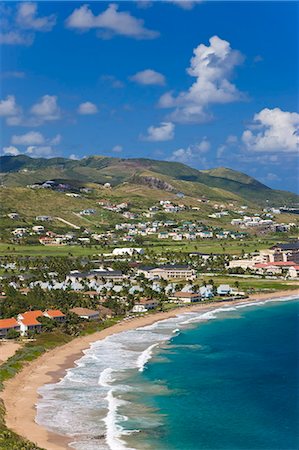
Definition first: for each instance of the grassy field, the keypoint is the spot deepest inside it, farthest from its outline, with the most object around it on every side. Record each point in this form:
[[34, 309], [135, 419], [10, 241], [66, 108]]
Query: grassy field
[[250, 285], [214, 246]]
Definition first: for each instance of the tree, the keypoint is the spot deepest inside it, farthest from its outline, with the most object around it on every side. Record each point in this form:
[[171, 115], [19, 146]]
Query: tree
[[12, 334]]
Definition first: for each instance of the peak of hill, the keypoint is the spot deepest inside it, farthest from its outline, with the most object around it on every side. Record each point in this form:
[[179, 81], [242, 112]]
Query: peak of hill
[[218, 184]]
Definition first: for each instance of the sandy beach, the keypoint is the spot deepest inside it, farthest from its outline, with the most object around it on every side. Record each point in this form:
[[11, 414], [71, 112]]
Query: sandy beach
[[8, 349], [20, 394]]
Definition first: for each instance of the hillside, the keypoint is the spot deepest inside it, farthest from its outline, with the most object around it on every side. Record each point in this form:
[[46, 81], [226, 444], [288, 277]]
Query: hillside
[[218, 184]]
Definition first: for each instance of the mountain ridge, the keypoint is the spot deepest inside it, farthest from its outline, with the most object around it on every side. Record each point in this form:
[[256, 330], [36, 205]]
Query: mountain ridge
[[22, 170]]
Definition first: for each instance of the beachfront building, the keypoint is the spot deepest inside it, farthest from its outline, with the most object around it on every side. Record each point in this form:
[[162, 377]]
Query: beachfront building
[[144, 305], [55, 314], [187, 297], [85, 313], [224, 289], [8, 324], [28, 322], [168, 272], [293, 272]]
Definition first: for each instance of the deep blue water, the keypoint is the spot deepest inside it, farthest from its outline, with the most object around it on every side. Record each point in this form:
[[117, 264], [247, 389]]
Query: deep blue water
[[227, 384]]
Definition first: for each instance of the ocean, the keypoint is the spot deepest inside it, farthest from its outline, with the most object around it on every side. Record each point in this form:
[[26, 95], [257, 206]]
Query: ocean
[[221, 380]]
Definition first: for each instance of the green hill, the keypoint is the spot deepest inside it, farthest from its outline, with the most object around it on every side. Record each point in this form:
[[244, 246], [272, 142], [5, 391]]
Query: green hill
[[218, 184]]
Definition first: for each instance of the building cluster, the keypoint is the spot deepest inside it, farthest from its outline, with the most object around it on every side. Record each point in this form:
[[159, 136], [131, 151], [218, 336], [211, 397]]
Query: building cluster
[[281, 259]]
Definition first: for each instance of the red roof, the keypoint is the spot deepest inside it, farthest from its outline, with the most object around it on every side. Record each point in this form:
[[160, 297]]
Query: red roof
[[8, 323], [54, 313], [295, 267], [187, 294], [29, 317]]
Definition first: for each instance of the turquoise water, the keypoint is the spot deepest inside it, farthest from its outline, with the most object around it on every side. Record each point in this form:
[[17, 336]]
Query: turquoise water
[[230, 383], [221, 380]]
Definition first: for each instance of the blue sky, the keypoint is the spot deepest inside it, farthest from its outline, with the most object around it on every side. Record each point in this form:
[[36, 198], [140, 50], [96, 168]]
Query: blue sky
[[205, 83]]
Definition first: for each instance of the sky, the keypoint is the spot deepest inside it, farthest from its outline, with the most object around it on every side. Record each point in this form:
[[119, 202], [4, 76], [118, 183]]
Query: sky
[[205, 83]]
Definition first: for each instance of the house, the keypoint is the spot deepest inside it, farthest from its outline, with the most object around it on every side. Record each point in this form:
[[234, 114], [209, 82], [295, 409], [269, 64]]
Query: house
[[187, 297], [106, 313], [224, 289], [206, 291], [274, 268], [55, 314], [144, 305], [28, 322], [8, 324], [294, 272], [85, 313], [38, 228]]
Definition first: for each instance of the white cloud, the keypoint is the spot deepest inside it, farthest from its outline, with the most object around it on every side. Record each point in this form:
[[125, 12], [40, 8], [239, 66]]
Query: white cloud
[[27, 18], [30, 138], [15, 37], [44, 151], [74, 157], [273, 130], [11, 151], [47, 109], [185, 4], [109, 23], [193, 153], [117, 149], [230, 142], [164, 132], [87, 108], [212, 66], [148, 77], [115, 83], [8, 107], [20, 25], [56, 140]]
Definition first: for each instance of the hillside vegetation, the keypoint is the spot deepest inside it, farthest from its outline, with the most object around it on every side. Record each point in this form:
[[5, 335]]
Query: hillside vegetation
[[218, 184]]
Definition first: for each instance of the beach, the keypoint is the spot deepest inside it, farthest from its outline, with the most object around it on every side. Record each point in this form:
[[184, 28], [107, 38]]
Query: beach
[[20, 395]]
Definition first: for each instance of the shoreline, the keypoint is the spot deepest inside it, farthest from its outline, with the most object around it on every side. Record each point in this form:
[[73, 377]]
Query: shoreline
[[20, 394]]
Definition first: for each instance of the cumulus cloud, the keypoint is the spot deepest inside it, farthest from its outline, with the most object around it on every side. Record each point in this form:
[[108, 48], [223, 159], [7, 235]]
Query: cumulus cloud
[[28, 19], [10, 151], [16, 38], [115, 83], [46, 109], [8, 106], [117, 149], [37, 146], [87, 108], [164, 132], [185, 4], [148, 77], [230, 142], [109, 23], [273, 130], [43, 151], [22, 23], [212, 66], [193, 153], [30, 138]]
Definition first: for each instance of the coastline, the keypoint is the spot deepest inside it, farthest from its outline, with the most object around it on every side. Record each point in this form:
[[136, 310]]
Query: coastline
[[20, 393]]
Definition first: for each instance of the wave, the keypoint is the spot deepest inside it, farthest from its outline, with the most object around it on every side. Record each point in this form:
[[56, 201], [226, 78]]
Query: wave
[[79, 405], [145, 357]]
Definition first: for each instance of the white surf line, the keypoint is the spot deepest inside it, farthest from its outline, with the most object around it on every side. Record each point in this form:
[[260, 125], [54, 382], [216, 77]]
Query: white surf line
[[67, 223]]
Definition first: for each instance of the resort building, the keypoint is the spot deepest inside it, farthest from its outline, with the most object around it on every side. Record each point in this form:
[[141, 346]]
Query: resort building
[[8, 324], [168, 272], [55, 314], [28, 322], [86, 313], [187, 297]]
